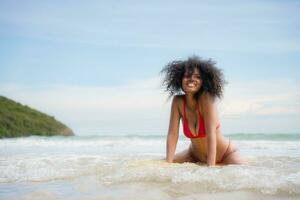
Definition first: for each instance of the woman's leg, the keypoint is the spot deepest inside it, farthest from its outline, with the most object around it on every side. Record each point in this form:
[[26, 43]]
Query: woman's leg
[[184, 156], [233, 156]]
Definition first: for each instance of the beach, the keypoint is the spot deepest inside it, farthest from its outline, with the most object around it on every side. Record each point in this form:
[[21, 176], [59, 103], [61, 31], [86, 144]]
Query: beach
[[133, 167]]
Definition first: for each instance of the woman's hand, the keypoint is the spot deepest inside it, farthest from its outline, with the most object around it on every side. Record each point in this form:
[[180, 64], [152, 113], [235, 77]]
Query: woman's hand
[[173, 131]]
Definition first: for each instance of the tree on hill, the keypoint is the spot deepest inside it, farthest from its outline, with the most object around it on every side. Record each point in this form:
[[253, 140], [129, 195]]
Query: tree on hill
[[21, 120]]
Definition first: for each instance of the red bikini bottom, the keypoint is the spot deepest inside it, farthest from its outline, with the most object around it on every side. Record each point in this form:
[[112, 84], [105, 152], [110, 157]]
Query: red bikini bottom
[[225, 155]]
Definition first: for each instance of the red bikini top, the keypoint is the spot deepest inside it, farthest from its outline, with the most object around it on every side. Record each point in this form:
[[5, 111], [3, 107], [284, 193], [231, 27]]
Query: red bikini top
[[186, 130]]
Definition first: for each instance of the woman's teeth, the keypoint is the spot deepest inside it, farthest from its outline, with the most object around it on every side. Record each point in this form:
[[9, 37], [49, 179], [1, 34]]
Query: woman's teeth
[[191, 85]]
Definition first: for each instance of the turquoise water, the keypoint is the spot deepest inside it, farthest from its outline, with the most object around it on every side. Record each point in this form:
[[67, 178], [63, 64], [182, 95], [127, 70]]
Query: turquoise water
[[236, 136], [265, 136]]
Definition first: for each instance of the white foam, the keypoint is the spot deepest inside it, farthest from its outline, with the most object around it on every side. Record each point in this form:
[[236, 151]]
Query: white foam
[[272, 170]]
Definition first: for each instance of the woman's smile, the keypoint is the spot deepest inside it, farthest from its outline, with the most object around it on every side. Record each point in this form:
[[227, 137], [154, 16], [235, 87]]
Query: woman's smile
[[191, 84]]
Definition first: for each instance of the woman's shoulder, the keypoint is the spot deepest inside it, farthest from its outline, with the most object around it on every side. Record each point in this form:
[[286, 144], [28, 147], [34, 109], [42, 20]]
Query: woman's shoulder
[[178, 98], [205, 97], [178, 101]]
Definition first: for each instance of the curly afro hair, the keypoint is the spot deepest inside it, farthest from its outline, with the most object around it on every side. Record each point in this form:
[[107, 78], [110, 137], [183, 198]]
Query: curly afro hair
[[212, 77]]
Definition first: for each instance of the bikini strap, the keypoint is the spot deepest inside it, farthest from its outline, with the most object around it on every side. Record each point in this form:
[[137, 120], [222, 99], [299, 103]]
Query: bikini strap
[[200, 116], [198, 108], [224, 155], [184, 102]]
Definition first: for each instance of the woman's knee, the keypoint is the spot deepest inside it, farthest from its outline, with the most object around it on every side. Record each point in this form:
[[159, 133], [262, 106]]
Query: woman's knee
[[183, 156]]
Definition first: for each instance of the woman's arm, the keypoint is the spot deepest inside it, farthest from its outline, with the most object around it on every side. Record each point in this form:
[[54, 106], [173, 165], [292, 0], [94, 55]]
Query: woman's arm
[[210, 119], [172, 137]]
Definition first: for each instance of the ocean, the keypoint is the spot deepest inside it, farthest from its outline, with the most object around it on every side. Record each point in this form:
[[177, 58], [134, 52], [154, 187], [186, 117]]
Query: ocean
[[133, 167]]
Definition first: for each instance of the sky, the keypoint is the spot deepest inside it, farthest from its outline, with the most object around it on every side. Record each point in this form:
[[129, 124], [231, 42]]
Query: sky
[[95, 65]]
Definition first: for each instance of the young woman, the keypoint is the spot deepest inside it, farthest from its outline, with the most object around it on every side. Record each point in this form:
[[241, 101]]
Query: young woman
[[195, 84]]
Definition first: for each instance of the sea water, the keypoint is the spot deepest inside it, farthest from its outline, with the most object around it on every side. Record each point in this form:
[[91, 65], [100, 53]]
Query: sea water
[[133, 167]]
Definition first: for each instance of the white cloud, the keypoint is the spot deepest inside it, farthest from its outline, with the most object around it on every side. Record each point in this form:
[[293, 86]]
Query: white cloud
[[142, 105], [90, 108], [261, 97], [136, 95]]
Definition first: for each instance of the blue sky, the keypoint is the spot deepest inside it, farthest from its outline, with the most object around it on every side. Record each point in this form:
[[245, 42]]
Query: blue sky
[[72, 58]]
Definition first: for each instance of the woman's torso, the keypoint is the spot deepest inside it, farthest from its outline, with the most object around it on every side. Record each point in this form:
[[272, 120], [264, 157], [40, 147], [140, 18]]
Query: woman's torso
[[199, 145]]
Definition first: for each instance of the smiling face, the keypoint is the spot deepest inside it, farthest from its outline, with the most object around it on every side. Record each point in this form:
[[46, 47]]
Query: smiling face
[[191, 82]]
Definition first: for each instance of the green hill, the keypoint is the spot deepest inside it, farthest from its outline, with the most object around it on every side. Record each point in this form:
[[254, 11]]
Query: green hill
[[20, 120]]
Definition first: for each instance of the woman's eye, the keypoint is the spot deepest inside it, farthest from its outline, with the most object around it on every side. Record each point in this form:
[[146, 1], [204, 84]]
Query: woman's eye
[[187, 76]]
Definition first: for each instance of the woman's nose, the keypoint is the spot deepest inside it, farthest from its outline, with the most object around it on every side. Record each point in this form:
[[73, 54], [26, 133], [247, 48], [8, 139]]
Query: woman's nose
[[191, 79]]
